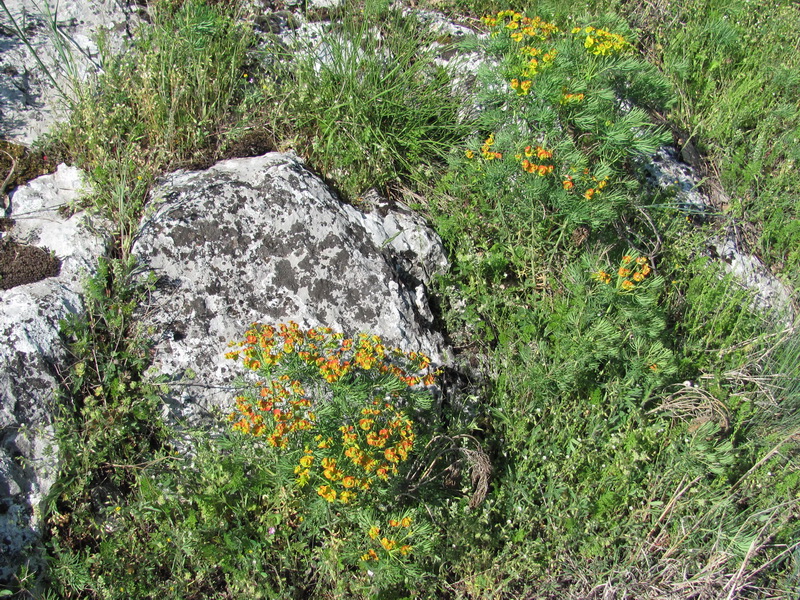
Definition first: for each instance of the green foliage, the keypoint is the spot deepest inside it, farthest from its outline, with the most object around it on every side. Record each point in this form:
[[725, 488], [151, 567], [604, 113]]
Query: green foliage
[[107, 425], [108, 403], [564, 121], [602, 453]]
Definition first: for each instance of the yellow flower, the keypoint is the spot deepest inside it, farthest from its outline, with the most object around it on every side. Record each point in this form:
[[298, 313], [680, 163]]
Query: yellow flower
[[327, 493], [627, 285], [602, 276], [374, 532], [469, 154], [388, 544]]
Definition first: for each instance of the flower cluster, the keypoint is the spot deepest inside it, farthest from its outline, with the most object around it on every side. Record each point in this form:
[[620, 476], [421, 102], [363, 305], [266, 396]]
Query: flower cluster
[[600, 185], [541, 155], [486, 149], [522, 87], [284, 403], [601, 42], [571, 98], [360, 445], [400, 532], [521, 27], [630, 272]]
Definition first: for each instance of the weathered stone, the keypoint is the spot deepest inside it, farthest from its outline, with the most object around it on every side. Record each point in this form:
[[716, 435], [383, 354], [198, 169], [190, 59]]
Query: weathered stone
[[31, 353], [769, 293], [263, 239]]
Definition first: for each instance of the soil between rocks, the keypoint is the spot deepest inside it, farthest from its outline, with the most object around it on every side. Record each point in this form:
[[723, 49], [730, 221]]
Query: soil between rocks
[[21, 263]]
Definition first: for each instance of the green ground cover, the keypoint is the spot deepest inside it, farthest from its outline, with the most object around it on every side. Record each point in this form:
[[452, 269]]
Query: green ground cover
[[640, 420]]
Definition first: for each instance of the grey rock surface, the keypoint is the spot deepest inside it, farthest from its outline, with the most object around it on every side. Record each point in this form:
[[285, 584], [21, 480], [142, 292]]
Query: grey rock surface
[[63, 34], [769, 293], [30, 355], [263, 239], [667, 172]]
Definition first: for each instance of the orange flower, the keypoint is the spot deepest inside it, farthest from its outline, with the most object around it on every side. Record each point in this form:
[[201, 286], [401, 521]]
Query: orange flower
[[602, 276], [371, 555]]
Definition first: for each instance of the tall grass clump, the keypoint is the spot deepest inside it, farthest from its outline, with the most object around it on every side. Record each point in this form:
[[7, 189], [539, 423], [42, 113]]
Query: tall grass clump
[[367, 104], [736, 68]]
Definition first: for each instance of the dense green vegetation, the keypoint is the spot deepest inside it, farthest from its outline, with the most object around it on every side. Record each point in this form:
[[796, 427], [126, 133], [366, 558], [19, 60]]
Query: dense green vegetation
[[640, 416]]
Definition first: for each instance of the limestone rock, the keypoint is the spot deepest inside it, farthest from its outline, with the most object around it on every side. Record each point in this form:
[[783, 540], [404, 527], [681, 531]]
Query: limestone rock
[[263, 239], [30, 353]]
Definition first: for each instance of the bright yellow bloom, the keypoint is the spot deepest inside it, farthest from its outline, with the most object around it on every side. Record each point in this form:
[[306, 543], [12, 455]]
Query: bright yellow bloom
[[371, 555]]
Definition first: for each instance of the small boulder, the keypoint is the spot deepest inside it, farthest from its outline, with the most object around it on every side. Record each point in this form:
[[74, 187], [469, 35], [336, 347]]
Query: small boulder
[[263, 239]]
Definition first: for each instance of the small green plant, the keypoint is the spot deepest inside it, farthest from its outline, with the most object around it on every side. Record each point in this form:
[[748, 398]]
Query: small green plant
[[564, 119]]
